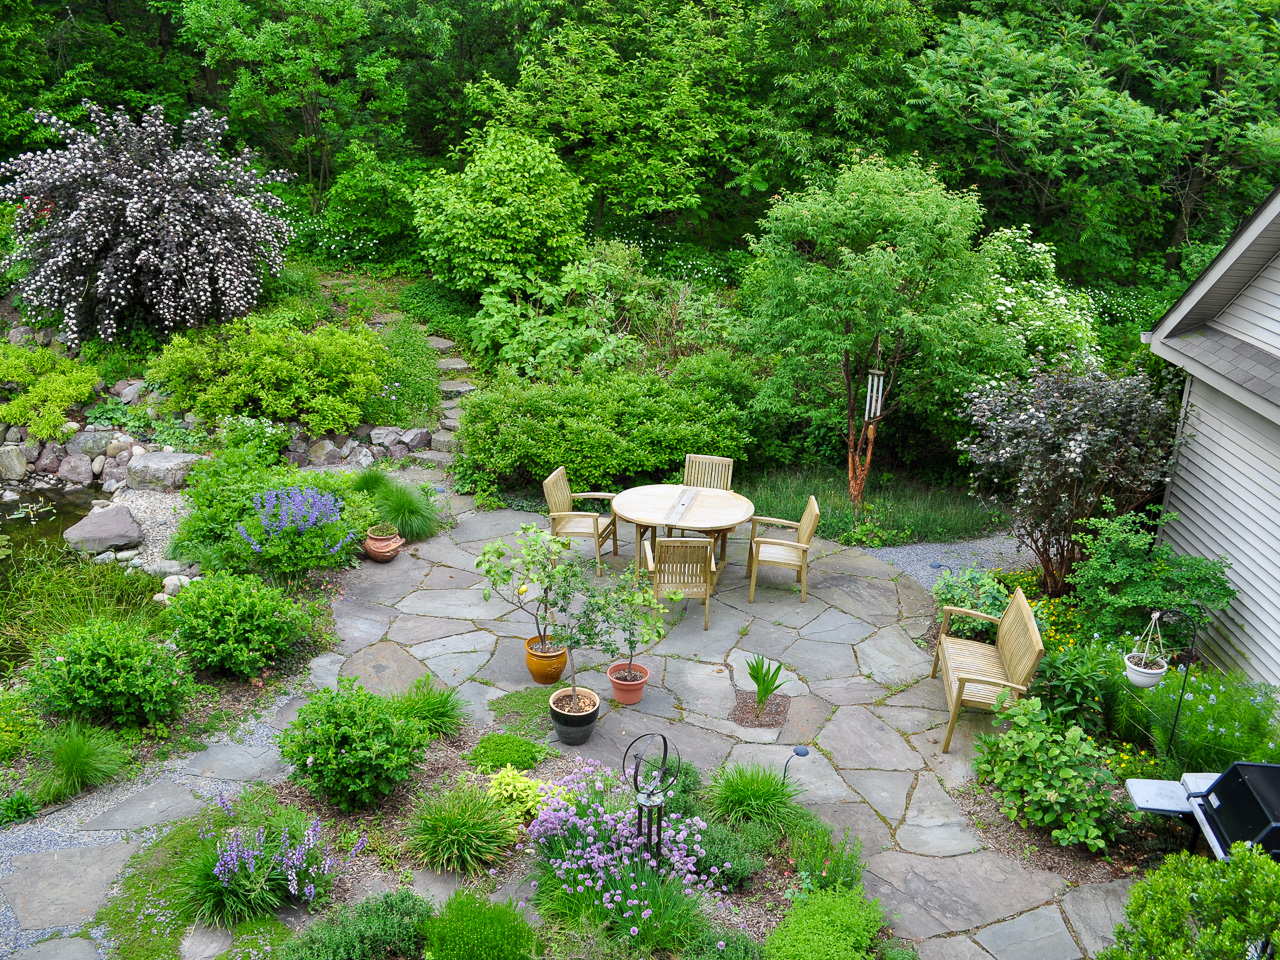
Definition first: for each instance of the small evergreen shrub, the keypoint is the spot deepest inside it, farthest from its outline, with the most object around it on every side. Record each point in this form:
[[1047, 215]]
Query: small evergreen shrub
[[498, 750], [440, 713], [837, 924], [752, 793], [734, 854], [385, 926], [235, 625], [461, 828], [109, 671], [469, 927], [42, 386], [350, 746], [74, 757], [717, 944]]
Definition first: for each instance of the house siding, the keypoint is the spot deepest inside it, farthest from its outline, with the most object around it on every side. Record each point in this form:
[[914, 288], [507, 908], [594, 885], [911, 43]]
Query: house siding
[[1226, 492], [1252, 315]]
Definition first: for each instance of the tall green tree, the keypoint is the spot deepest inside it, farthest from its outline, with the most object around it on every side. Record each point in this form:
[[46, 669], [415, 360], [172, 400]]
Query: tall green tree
[[20, 71], [863, 274]]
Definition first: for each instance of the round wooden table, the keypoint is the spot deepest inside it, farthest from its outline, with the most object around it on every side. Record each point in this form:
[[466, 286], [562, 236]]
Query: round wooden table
[[702, 509]]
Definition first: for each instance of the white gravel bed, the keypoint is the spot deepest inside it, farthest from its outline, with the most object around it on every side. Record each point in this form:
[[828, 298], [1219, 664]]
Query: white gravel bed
[[988, 552], [158, 514]]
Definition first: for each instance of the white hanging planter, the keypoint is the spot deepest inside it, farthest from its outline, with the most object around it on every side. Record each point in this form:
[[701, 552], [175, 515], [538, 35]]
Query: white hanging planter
[[1144, 671]]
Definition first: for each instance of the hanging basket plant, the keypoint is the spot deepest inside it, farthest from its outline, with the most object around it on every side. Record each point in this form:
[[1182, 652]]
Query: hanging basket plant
[[1147, 664]]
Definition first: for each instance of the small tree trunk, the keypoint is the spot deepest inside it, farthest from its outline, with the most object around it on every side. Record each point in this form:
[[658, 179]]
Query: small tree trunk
[[860, 462]]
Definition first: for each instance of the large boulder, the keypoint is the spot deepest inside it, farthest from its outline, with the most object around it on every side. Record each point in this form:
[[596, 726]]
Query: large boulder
[[50, 458], [76, 468], [13, 463], [104, 530], [160, 471], [90, 444], [416, 439]]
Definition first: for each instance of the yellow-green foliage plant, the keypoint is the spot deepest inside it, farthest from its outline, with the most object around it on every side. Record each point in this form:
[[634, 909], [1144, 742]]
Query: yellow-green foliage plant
[[46, 385]]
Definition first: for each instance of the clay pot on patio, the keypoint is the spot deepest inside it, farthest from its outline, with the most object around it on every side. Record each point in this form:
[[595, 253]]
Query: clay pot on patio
[[628, 691], [1144, 671], [575, 717], [545, 665], [382, 542]]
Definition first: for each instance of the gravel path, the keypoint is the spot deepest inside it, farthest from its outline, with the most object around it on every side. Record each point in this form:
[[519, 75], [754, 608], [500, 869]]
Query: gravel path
[[914, 558], [158, 514]]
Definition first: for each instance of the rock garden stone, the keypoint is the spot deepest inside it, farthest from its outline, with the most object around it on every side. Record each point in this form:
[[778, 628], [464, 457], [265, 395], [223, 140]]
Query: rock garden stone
[[859, 740], [383, 668], [15, 434], [132, 392], [1095, 910], [90, 444], [321, 451], [445, 441], [99, 462], [385, 436], [235, 761], [50, 458], [74, 468], [204, 943], [13, 463], [456, 388], [30, 450], [418, 438], [360, 457], [160, 471], [63, 948], [162, 802], [62, 888], [104, 530], [1039, 935]]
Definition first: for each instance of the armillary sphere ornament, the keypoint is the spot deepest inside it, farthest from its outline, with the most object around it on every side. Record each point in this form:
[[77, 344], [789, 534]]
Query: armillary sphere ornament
[[651, 750]]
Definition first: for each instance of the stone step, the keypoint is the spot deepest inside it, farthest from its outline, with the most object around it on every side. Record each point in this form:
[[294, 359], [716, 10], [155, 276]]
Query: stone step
[[392, 317], [437, 458], [452, 365], [451, 404], [444, 440], [456, 388], [440, 343], [451, 423]]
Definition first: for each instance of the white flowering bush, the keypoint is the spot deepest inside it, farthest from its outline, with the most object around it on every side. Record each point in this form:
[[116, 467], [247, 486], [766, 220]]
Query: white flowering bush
[[1066, 445], [123, 224]]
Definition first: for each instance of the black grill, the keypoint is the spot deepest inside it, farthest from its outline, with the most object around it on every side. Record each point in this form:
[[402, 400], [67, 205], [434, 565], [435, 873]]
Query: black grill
[[1244, 804]]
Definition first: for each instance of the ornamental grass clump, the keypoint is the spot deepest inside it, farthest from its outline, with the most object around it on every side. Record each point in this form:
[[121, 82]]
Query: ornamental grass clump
[[594, 866], [410, 509], [297, 528], [752, 793], [438, 712], [462, 828], [75, 757]]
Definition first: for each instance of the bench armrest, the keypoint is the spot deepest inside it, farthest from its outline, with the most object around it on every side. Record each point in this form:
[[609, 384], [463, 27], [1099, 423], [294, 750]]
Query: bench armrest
[[573, 513], [782, 543], [963, 612], [594, 495], [775, 522], [963, 678]]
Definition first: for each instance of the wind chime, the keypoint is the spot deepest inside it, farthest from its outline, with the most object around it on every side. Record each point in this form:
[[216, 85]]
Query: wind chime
[[651, 787], [860, 451]]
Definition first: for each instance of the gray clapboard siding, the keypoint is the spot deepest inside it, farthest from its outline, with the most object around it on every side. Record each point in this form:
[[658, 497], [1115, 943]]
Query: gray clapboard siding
[[1253, 313], [1226, 492]]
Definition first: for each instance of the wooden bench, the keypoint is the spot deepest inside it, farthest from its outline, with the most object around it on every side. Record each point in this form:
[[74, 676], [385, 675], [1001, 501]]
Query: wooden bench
[[975, 673]]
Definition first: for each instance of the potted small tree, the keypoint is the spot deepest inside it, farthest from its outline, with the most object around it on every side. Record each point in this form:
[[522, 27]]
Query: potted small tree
[[634, 618]]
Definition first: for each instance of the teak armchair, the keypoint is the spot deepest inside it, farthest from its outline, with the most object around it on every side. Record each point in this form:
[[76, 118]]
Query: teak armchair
[[704, 471], [686, 566], [794, 555], [566, 522]]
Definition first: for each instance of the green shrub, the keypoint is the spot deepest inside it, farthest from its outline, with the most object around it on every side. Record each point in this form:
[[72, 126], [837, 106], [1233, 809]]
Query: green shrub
[[821, 864], [1072, 681], [1048, 775], [469, 927], [752, 793], [236, 625], [19, 724], [320, 378], [837, 924], [17, 807], [498, 750], [45, 385], [438, 712], [73, 757], [410, 391], [601, 429], [720, 371], [110, 671], [351, 747], [1194, 907], [519, 795], [717, 944], [125, 358], [514, 207], [461, 828], [1126, 574], [412, 510], [734, 854], [685, 798], [972, 589], [443, 311], [385, 926]]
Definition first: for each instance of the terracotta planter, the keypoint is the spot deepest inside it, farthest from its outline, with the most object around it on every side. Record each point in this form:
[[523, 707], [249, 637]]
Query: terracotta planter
[[574, 728], [383, 549], [1141, 676], [545, 668], [628, 691]]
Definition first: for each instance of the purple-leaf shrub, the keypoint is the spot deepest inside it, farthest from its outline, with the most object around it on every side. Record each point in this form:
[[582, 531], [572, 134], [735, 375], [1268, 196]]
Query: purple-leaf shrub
[[297, 528], [123, 222], [594, 862]]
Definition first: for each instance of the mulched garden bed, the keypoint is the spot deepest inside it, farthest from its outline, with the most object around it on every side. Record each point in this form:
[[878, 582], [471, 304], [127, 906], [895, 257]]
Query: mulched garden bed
[[773, 715]]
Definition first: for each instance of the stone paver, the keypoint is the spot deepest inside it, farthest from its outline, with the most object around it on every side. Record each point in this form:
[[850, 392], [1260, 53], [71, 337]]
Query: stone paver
[[910, 719], [836, 626], [705, 749], [506, 668], [446, 578], [494, 525], [456, 668], [409, 629], [458, 604], [860, 820], [821, 661], [875, 601], [440, 549], [885, 790], [478, 697], [934, 824], [324, 670], [63, 888], [234, 761], [767, 639], [859, 740], [1095, 910], [891, 657], [772, 604], [437, 887], [161, 802], [204, 943], [359, 623], [688, 639], [64, 948], [384, 668], [287, 713], [702, 688], [745, 734], [474, 641], [386, 582], [956, 767], [847, 691], [1038, 935], [814, 773], [927, 693], [805, 718], [951, 948]]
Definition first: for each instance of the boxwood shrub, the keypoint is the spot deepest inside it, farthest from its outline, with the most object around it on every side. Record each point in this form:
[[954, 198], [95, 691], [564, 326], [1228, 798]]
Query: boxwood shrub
[[601, 428]]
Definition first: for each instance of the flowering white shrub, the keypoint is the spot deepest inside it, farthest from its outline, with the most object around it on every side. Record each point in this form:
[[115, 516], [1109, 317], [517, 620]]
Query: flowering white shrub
[[124, 225]]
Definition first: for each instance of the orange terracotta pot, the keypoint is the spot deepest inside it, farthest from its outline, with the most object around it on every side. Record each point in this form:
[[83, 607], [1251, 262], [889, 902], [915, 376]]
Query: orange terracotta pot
[[545, 668], [628, 691], [383, 549]]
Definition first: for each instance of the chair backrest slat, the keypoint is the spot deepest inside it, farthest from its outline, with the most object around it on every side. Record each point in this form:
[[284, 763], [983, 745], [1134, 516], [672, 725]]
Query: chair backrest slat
[[703, 471], [683, 564], [556, 489], [1018, 640], [808, 522]]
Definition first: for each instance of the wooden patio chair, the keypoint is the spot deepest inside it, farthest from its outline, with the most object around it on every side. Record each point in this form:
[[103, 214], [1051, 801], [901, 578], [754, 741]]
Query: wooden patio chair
[[792, 554], [713, 472], [974, 673], [567, 522], [686, 566]]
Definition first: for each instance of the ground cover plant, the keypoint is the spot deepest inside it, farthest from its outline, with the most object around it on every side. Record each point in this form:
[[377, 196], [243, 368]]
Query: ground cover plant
[[469, 927], [840, 923], [410, 389], [497, 750], [390, 924], [38, 388]]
